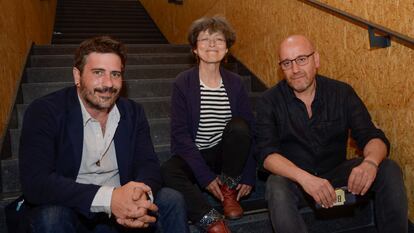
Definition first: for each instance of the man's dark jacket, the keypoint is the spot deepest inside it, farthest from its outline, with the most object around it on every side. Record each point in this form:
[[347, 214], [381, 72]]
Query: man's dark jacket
[[51, 151]]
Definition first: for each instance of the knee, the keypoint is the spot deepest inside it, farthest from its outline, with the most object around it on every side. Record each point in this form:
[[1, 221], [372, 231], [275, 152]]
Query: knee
[[165, 170], [389, 169], [278, 189], [238, 125], [169, 170], [389, 174], [170, 199], [52, 218], [389, 165]]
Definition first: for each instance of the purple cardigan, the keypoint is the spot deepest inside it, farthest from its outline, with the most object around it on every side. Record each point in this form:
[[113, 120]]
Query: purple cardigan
[[185, 116]]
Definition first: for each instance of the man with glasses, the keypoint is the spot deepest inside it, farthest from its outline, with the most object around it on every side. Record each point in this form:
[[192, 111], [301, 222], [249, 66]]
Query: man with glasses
[[303, 127]]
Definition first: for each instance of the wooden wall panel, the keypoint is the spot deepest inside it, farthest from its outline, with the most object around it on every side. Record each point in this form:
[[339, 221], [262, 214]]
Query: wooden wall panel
[[382, 77], [395, 14], [21, 23]]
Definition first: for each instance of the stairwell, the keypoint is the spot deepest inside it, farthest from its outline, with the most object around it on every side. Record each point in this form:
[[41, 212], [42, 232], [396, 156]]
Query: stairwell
[[152, 65]]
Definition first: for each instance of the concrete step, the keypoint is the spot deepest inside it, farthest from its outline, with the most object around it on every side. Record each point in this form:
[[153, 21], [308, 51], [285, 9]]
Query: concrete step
[[142, 19], [120, 36], [106, 13], [133, 88], [133, 59], [5, 199], [61, 49], [127, 41], [10, 172], [98, 5], [133, 24], [101, 24], [163, 152], [104, 24], [65, 15], [112, 30], [64, 74]]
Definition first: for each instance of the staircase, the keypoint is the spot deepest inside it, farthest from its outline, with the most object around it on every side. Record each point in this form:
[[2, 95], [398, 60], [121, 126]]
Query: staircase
[[126, 20], [152, 65]]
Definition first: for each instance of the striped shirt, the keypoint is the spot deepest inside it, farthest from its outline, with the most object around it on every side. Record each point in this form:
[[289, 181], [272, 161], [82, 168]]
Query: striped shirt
[[215, 112]]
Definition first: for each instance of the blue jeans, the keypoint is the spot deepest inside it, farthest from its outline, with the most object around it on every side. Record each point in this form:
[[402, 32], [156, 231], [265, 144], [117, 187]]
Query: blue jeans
[[286, 197], [60, 219]]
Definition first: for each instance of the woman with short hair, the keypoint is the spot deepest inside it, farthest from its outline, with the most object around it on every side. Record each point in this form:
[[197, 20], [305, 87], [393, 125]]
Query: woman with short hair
[[211, 130]]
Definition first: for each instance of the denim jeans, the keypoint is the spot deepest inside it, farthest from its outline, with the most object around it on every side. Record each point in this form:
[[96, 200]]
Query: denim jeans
[[60, 219], [286, 197]]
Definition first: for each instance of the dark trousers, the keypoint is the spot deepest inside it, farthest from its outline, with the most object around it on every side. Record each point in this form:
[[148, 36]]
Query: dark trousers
[[228, 157], [286, 197], [60, 219]]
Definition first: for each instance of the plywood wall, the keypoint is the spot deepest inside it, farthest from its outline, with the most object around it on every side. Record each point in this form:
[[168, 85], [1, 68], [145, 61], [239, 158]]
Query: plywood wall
[[21, 23], [382, 77]]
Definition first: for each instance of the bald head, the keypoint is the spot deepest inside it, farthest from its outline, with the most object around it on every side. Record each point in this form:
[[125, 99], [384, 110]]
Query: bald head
[[299, 62], [295, 44]]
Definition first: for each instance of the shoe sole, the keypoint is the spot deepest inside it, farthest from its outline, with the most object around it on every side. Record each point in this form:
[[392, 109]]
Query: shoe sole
[[233, 217]]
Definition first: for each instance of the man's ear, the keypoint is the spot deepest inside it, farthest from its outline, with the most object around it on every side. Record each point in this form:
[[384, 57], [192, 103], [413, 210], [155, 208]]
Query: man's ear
[[316, 57], [76, 76]]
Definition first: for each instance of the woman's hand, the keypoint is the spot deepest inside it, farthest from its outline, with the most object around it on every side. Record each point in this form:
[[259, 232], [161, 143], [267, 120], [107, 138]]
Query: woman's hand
[[244, 190], [214, 188]]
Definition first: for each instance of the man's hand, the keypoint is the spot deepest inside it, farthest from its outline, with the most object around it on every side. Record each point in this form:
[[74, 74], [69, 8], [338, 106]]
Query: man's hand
[[320, 189], [362, 177], [129, 204], [214, 188], [144, 220], [244, 190]]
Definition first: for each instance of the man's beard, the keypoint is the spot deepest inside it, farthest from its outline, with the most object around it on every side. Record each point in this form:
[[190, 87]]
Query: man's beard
[[96, 102]]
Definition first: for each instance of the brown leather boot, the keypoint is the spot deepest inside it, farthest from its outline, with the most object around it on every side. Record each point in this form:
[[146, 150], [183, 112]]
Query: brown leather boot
[[231, 207], [218, 227]]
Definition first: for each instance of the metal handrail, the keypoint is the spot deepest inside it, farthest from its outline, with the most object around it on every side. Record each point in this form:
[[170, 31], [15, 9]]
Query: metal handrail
[[385, 32]]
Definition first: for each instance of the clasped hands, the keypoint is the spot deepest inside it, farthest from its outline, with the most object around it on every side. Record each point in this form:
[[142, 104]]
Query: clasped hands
[[321, 190], [130, 205]]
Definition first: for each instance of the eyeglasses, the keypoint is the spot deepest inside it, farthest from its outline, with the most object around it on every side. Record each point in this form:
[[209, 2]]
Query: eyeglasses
[[207, 41], [300, 61]]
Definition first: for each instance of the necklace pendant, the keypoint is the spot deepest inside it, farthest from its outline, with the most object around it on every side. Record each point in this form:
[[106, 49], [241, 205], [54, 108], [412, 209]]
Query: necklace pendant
[[98, 163]]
